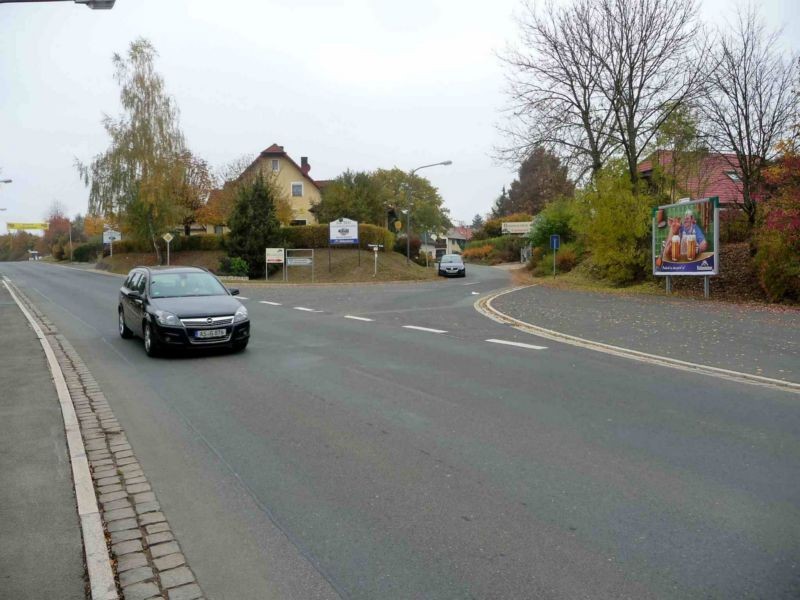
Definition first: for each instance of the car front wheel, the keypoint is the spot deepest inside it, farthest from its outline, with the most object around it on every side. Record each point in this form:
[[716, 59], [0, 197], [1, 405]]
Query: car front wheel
[[124, 332], [150, 341]]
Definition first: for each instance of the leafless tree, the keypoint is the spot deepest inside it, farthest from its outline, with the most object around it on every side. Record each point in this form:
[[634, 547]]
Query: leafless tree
[[552, 84], [647, 50], [748, 105], [597, 78]]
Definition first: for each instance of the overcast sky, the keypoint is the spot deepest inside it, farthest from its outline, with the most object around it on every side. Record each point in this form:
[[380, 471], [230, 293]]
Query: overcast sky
[[350, 84]]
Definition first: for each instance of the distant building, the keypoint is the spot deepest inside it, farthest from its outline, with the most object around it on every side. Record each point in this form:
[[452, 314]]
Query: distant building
[[716, 174]]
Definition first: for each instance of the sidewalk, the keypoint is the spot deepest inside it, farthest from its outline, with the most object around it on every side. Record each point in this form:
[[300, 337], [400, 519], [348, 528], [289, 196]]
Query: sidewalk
[[41, 550], [749, 339]]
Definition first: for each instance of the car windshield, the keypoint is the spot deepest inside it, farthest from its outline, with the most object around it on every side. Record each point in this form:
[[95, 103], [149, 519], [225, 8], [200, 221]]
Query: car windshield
[[176, 285], [451, 259]]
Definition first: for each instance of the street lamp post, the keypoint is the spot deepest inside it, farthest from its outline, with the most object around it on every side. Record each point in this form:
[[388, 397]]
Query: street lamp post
[[408, 204]]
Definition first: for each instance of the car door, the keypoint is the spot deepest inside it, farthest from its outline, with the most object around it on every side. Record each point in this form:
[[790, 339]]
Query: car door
[[126, 301], [138, 304]]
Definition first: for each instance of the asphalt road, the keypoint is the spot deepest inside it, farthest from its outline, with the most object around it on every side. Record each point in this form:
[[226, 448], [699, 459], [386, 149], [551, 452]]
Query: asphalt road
[[365, 459], [758, 340]]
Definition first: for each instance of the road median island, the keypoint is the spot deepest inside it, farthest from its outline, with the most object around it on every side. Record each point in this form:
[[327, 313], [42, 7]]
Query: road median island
[[120, 514], [524, 309]]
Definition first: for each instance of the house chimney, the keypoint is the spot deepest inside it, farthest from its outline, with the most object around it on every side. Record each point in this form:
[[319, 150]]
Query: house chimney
[[304, 166]]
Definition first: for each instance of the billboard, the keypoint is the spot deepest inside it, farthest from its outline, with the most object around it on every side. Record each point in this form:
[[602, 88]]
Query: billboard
[[28, 226], [274, 256], [343, 231], [109, 235], [686, 238]]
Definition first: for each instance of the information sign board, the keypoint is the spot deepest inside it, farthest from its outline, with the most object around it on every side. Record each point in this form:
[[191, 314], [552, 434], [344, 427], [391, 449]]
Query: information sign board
[[343, 231]]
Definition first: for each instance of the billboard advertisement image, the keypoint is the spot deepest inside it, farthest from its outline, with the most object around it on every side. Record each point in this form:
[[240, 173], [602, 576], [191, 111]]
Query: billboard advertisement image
[[686, 238]]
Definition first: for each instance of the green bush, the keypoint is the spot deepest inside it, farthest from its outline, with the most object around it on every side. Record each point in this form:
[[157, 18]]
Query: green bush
[[233, 265], [318, 236], [555, 218], [613, 224], [87, 252]]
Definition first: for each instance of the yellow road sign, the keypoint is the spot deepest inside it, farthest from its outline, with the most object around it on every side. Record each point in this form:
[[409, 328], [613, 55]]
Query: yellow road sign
[[23, 226]]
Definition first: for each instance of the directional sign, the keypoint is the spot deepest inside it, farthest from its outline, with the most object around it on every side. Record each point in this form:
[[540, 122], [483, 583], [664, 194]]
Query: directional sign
[[167, 237], [299, 262], [343, 231], [274, 256], [109, 235]]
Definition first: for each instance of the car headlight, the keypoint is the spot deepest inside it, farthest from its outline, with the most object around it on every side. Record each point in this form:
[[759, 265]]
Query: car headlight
[[241, 315], [167, 318]]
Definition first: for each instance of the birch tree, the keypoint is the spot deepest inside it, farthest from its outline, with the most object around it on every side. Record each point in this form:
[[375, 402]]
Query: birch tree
[[134, 180]]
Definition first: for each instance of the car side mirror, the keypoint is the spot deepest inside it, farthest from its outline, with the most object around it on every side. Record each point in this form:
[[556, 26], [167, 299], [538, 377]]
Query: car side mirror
[[234, 291], [134, 295]]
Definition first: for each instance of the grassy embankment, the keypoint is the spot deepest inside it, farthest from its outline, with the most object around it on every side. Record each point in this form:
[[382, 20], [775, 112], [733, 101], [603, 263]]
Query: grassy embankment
[[344, 266]]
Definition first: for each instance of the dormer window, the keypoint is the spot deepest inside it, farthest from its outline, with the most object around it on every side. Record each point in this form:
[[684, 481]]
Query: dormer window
[[276, 165], [734, 176]]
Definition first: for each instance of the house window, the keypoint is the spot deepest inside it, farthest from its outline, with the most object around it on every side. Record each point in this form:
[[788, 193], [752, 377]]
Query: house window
[[733, 175], [297, 189], [298, 222], [276, 165]]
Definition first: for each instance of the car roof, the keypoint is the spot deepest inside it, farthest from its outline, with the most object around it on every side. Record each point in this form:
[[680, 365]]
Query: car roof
[[176, 269]]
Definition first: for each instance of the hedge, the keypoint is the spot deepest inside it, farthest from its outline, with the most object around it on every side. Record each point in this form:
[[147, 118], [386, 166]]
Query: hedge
[[317, 236], [179, 243], [87, 252]]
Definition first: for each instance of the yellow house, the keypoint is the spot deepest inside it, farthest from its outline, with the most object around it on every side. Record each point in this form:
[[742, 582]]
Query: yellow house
[[292, 179]]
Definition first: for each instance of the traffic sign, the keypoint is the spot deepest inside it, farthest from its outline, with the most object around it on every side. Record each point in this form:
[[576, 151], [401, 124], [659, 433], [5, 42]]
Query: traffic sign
[[109, 235], [167, 237], [555, 241], [299, 261]]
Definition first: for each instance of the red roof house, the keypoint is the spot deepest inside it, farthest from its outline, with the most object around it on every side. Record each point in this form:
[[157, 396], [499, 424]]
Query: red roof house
[[717, 174]]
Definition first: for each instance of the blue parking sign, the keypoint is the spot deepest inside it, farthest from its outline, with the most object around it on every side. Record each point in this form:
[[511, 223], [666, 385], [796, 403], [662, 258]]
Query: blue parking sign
[[555, 241]]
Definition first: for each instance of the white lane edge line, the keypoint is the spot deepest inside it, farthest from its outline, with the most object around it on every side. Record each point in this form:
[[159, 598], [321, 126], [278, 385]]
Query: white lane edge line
[[428, 329], [98, 562], [471, 283], [358, 318], [270, 303], [517, 344]]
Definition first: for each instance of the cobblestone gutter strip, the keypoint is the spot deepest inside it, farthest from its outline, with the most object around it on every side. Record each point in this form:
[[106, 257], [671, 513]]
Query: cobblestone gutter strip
[[146, 558]]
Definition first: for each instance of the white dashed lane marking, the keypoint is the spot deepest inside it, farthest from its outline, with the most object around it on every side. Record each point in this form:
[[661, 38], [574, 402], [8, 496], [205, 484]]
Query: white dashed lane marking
[[270, 303], [304, 309], [517, 344], [358, 318], [243, 298], [428, 329]]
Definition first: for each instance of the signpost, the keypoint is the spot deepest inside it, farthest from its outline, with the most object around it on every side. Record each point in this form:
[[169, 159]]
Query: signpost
[[555, 244], [686, 240], [375, 248], [274, 256], [343, 232], [167, 237], [109, 237], [298, 261]]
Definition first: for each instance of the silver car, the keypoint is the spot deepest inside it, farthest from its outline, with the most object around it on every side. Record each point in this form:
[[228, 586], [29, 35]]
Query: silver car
[[451, 265]]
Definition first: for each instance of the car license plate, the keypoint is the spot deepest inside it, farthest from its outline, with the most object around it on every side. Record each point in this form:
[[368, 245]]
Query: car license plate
[[210, 333]]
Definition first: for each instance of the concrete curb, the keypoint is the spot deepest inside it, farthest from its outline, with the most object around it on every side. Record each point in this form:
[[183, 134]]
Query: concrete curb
[[484, 306], [98, 563]]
